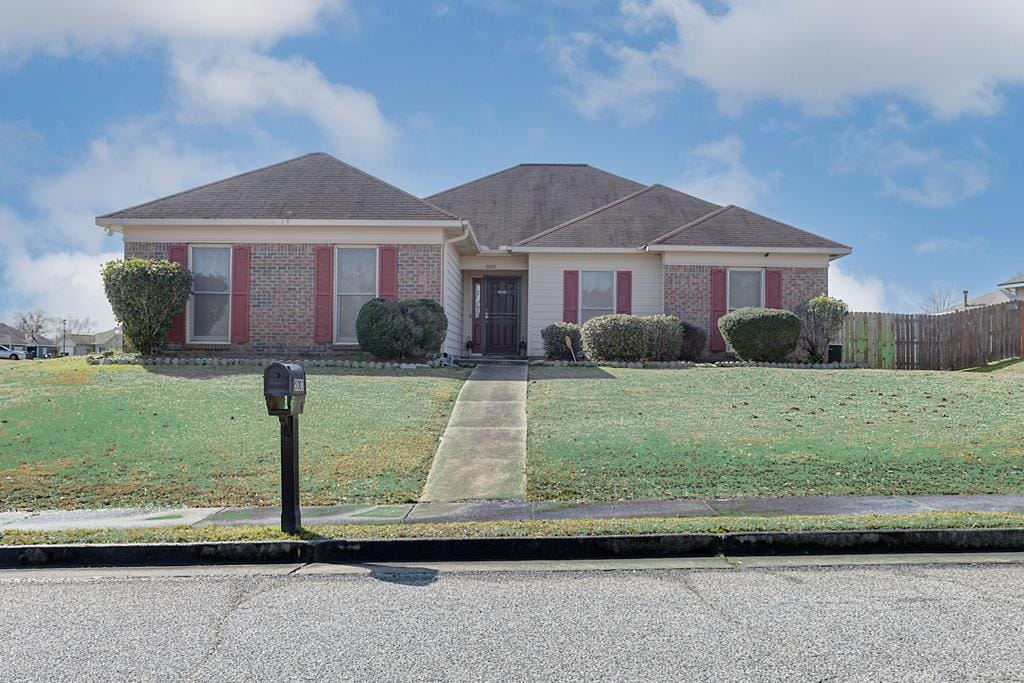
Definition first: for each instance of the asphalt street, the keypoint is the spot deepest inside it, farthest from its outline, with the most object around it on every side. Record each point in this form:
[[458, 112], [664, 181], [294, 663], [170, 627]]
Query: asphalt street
[[898, 622]]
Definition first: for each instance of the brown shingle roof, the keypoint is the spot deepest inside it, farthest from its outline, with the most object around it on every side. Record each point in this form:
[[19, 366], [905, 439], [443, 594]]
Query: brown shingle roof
[[733, 226], [519, 202], [631, 221], [313, 187]]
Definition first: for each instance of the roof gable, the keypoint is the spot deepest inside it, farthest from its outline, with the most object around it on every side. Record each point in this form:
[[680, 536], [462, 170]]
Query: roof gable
[[631, 221], [733, 226], [311, 187], [519, 202], [1016, 280]]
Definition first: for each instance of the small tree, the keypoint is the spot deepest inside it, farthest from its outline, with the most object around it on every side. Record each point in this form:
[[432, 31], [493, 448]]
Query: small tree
[[821, 319], [145, 296], [939, 298]]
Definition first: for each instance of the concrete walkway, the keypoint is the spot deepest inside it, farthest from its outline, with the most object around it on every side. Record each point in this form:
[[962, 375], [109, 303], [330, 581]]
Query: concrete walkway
[[506, 510], [482, 455]]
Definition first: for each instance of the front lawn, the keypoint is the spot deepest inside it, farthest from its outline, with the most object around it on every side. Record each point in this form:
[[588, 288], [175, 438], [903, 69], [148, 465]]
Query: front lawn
[[74, 435], [608, 433]]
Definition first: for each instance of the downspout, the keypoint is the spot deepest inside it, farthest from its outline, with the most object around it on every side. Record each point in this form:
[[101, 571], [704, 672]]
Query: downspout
[[444, 258]]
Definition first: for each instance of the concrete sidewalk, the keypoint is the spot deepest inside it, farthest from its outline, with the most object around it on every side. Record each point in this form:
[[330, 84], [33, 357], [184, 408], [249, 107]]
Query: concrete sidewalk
[[121, 518], [482, 454]]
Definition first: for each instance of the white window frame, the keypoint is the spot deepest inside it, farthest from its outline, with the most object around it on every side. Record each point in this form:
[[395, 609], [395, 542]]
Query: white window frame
[[335, 294], [191, 296], [728, 286], [615, 291]]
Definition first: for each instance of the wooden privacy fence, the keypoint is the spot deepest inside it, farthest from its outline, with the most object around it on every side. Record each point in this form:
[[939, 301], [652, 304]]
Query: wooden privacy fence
[[947, 341]]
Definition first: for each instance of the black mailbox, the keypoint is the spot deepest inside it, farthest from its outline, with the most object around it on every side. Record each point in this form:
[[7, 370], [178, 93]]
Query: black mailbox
[[284, 388]]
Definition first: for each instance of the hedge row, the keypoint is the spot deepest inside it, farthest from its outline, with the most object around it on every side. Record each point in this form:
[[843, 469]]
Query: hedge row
[[625, 338]]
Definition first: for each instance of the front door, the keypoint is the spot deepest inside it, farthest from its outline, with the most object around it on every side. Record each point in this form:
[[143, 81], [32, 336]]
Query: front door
[[501, 315]]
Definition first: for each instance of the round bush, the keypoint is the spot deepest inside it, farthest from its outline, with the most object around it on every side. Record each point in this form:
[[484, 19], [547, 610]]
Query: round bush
[[615, 337], [554, 341], [431, 325], [695, 342], [396, 330], [761, 334], [664, 337]]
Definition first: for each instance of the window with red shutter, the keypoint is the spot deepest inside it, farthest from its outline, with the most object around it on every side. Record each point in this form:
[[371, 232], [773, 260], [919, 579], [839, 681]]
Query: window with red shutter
[[570, 296], [240, 284]]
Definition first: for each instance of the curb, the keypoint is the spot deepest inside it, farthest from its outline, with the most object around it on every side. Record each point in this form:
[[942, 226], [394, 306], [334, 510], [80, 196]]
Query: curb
[[515, 548]]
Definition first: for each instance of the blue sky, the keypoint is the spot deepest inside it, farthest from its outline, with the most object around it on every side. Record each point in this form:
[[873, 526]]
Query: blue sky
[[894, 128]]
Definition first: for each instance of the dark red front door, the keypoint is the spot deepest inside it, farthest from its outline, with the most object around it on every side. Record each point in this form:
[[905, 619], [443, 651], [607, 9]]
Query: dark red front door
[[501, 315]]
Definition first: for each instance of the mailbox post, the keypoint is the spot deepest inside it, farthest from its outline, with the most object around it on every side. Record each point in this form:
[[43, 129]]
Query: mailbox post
[[284, 388]]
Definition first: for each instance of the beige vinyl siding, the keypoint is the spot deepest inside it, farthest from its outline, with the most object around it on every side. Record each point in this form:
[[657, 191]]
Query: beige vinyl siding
[[545, 304], [452, 298]]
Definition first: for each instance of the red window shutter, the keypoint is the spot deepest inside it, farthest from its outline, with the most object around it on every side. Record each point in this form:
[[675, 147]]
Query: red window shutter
[[240, 261], [177, 253], [624, 291], [571, 296], [323, 297], [719, 306], [388, 257], [773, 289]]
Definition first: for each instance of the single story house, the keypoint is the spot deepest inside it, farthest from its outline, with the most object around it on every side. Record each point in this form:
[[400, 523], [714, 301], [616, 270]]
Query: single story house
[[84, 344], [34, 346], [285, 256]]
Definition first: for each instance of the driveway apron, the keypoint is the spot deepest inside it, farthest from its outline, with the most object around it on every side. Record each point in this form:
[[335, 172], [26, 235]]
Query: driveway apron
[[482, 455]]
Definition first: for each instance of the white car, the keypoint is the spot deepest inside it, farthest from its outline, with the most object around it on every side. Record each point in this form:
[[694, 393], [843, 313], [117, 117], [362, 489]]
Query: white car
[[8, 352]]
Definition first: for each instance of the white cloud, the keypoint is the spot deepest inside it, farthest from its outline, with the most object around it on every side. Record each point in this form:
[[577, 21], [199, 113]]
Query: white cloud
[[64, 284], [63, 27], [949, 245], [718, 174], [231, 87], [219, 67], [869, 293], [819, 55], [629, 91], [925, 176], [51, 256]]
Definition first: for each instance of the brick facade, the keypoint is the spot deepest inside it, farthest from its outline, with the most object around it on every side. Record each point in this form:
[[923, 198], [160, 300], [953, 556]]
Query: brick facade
[[419, 271], [281, 294], [688, 290]]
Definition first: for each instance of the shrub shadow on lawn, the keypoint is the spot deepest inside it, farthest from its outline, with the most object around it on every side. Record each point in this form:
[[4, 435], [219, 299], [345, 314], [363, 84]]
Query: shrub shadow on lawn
[[544, 372], [217, 371]]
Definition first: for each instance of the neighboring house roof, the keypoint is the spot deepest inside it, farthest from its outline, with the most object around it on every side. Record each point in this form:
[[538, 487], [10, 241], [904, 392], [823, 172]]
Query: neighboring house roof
[[12, 335], [999, 296], [311, 187], [1015, 281], [631, 221], [509, 206], [107, 337], [733, 226]]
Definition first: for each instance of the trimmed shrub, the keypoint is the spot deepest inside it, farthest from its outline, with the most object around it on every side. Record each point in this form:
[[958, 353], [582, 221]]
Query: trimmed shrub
[[615, 337], [145, 296], [431, 325], [695, 342], [822, 317], [396, 330], [554, 341], [664, 337], [761, 334]]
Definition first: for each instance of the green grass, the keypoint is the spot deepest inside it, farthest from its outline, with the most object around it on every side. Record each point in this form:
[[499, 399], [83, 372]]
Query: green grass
[[74, 435], [607, 433], [568, 527]]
